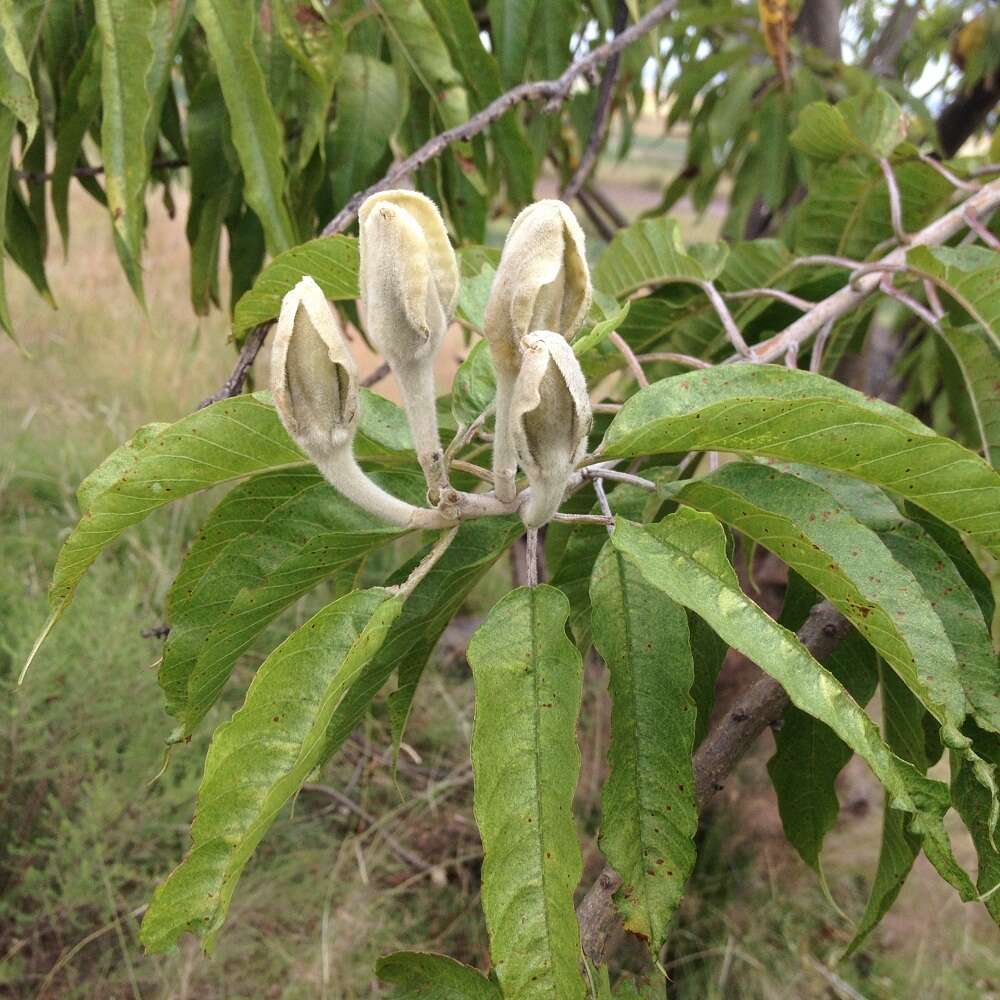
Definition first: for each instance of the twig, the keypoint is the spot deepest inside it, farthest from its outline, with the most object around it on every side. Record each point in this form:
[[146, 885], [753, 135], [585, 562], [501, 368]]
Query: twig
[[933, 299], [678, 359], [843, 301], [774, 293], [552, 92], [40, 176], [728, 323], [910, 302], [602, 501], [474, 470], [233, 385], [606, 407], [630, 359], [981, 231], [760, 706], [895, 202], [602, 114], [607, 206], [376, 375], [600, 224], [948, 175], [599, 472], [985, 170], [531, 557], [819, 345], [583, 518]]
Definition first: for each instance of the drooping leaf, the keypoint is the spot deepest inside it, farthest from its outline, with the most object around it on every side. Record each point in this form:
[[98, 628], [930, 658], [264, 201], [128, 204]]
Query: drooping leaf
[[800, 417], [808, 754], [260, 759], [332, 261], [511, 23], [652, 252], [229, 30], [871, 125], [526, 761], [421, 976], [23, 242], [903, 724], [268, 542], [649, 816], [846, 562], [126, 28], [955, 604], [75, 114], [978, 363], [685, 555], [968, 275], [368, 103], [603, 319], [17, 92]]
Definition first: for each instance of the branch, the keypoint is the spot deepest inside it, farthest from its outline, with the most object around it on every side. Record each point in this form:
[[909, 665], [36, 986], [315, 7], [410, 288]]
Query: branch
[[602, 114], [553, 92], [862, 285], [233, 385], [760, 706]]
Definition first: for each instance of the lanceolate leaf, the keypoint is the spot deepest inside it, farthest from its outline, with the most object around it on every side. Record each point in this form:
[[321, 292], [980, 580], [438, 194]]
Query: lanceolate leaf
[[229, 28], [651, 252], [968, 275], [17, 93], [127, 56], [526, 761], [271, 539], [955, 605], [979, 362], [331, 261], [419, 976], [261, 758], [801, 417], [8, 126], [847, 563], [808, 754], [649, 816], [685, 556], [903, 724]]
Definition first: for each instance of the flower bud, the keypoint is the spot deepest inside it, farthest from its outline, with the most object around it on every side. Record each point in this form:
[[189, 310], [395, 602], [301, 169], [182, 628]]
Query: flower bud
[[409, 287], [550, 420], [542, 283], [313, 375]]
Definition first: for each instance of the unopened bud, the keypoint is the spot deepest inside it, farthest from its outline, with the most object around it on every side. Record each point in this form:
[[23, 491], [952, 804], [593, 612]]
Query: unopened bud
[[409, 286], [313, 375], [542, 283], [550, 420]]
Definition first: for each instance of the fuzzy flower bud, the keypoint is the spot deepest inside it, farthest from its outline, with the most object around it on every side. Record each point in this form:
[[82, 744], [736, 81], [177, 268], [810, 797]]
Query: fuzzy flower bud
[[409, 286], [550, 420], [315, 388], [542, 283]]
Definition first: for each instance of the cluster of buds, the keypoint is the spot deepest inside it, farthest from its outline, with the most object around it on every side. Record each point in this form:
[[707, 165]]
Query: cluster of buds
[[409, 290]]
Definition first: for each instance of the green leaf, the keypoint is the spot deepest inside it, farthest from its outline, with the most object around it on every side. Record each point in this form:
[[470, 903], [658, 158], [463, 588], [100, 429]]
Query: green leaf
[[604, 318], [475, 288], [649, 816], [126, 28], [268, 542], [229, 29], [75, 113], [685, 556], [955, 605], [369, 100], [871, 125], [331, 260], [847, 563], [17, 93], [23, 242], [414, 35], [420, 976], [808, 754], [474, 385], [651, 252], [526, 761], [797, 416], [974, 804], [903, 723], [974, 391], [511, 24], [260, 759], [968, 275]]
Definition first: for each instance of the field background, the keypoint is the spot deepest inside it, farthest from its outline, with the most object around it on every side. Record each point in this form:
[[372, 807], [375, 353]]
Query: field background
[[358, 869]]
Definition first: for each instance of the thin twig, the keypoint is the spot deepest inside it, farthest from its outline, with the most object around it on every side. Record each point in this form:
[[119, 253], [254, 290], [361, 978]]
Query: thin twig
[[981, 231], [583, 518], [950, 177], [819, 345], [474, 470], [590, 209], [602, 113], [607, 205], [40, 176], [606, 407], [630, 359], [985, 171], [933, 299], [728, 323], [602, 501], [689, 360], [531, 557], [895, 201], [598, 472], [910, 302], [553, 92], [774, 293], [233, 385], [376, 375]]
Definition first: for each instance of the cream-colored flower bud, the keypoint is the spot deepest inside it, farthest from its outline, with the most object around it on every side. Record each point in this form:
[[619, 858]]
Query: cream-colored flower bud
[[550, 420], [542, 283], [409, 287], [315, 388]]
